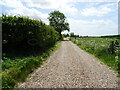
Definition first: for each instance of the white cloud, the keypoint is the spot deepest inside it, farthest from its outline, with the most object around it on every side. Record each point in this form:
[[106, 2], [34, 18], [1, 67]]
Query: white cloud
[[66, 6], [76, 0], [93, 27], [67, 9], [21, 10], [63, 5], [96, 0], [99, 11], [27, 12], [12, 4], [32, 13]]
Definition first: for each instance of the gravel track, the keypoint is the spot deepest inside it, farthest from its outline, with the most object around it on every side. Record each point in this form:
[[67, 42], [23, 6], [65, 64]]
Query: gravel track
[[71, 67]]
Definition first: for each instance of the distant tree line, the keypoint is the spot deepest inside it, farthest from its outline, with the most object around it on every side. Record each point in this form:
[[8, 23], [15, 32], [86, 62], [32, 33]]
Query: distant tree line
[[111, 36]]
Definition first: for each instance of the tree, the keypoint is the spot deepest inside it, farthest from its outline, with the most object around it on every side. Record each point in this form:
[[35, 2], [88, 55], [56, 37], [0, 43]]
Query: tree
[[58, 21], [72, 34]]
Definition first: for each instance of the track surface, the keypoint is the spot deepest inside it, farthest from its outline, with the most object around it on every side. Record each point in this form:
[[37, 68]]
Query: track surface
[[71, 67]]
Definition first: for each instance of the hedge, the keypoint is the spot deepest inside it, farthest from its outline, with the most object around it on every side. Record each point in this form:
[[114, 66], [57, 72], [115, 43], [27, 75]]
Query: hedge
[[21, 33]]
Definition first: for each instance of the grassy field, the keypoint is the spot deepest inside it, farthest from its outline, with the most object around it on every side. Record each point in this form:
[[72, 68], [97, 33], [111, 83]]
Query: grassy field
[[100, 48], [16, 70]]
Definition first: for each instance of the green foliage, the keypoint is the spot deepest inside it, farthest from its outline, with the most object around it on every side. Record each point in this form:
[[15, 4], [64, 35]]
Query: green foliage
[[18, 31], [17, 70], [65, 35], [58, 21], [100, 48], [7, 81], [23, 35], [72, 34]]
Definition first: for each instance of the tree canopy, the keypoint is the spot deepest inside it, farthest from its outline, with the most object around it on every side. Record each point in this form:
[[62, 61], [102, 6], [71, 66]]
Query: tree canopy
[[58, 21]]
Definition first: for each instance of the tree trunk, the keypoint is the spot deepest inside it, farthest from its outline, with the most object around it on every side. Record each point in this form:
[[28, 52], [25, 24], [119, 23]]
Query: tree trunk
[[60, 35]]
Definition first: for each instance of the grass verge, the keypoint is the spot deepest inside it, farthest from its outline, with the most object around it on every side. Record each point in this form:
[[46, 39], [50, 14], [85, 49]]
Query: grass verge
[[99, 47], [17, 70]]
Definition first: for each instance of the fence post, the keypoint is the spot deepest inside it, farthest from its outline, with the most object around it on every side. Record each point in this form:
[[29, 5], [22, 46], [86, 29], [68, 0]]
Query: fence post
[[112, 47], [116, 43]]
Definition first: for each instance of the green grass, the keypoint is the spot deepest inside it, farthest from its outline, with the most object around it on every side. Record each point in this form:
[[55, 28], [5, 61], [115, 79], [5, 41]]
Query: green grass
[[16, 70], [99, 47]]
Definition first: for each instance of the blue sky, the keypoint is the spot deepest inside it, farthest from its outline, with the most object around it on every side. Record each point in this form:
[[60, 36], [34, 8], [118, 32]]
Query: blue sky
[[86, 17]]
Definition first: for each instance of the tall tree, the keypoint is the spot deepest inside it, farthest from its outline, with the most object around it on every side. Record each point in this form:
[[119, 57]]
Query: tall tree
[[58, 21]]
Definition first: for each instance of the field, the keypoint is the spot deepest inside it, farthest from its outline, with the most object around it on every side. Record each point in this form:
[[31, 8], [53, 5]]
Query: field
[[100, 48]]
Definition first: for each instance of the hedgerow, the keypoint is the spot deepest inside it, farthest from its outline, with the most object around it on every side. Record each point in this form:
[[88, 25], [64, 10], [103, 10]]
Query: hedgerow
[[31, 40], [21, 33]]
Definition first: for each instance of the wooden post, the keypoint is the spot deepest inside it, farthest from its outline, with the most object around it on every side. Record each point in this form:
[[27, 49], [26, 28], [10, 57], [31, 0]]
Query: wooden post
[[112, 47], [116, 43]]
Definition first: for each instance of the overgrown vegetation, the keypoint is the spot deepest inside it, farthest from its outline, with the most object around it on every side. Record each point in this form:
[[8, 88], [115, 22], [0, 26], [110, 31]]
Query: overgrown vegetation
[[100, 48], [21, 35], [26, 45], [17, 70]]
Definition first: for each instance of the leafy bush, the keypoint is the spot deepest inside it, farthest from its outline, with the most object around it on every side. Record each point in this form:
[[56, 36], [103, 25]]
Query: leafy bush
[[17, 70], [20, 33]]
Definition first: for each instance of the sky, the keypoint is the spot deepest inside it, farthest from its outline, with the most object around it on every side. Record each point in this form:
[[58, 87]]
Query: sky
[[85, 17]]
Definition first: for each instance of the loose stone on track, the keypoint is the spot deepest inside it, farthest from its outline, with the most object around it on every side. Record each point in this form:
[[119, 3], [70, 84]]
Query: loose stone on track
[[71, 67]]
